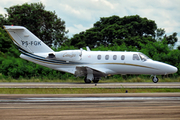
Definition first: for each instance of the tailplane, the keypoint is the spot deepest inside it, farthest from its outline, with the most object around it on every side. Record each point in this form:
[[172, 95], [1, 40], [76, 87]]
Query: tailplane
[[26, 41]]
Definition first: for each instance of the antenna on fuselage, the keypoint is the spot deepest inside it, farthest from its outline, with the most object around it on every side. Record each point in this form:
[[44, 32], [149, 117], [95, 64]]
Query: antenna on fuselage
[[88, 48]]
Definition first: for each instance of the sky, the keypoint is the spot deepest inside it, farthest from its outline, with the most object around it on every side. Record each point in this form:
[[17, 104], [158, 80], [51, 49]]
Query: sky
[[80, 15]]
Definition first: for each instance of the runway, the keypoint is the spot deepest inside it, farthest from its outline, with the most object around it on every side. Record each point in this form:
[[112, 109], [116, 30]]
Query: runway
[[150, 106], [83, 85]]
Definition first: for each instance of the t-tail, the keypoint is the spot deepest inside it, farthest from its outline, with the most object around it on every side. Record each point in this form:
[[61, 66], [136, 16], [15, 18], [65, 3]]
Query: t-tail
[[26, 41]]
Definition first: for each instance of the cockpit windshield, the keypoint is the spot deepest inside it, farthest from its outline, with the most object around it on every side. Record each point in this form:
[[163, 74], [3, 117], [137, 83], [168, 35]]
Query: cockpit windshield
[[143, 57]]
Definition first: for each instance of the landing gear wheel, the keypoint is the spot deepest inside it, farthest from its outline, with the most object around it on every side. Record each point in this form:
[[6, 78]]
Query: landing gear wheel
[[95, 81], [155, 79], [87, 80]]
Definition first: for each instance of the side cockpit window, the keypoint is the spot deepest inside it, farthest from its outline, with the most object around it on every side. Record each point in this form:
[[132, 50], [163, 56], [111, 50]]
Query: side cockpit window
[[143, 57], [135, 57]]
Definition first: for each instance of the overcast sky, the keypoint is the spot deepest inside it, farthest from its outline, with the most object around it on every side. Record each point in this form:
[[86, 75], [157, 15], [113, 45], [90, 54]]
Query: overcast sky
[[80, 15]]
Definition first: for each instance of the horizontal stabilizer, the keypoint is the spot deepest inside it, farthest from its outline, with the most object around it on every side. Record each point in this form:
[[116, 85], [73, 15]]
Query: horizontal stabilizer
[[14, 27]]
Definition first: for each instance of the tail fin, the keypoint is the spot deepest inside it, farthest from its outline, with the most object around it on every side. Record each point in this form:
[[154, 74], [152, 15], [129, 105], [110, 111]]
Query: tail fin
[[26, 41]]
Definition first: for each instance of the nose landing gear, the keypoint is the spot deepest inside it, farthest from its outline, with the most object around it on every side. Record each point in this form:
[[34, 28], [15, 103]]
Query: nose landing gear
[[155, 79]]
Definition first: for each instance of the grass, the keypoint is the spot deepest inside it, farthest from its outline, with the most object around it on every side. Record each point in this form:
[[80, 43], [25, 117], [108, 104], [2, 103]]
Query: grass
[[80, 80], [83, 90], [86, 90], [140, 78]]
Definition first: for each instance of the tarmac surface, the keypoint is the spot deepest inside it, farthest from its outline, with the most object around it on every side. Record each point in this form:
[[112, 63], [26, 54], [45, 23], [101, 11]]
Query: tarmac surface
[[149, 106], [92, 85]]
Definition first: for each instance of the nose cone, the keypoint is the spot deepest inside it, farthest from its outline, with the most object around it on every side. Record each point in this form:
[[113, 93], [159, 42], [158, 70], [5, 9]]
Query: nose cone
[[172, 69], [164, 68], [169, 69]]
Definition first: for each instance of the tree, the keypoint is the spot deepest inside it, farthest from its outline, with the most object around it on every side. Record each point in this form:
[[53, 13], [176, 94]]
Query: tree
[[5, 41], [159, 34], [44, 24], [7, 48], [178, 47], [171, 39], [3, 20], [131, 30], [78, 40]]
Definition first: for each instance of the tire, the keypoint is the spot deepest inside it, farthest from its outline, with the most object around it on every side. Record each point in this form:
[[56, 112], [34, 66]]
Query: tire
[[155, 79], [87, 80], [95, 81]]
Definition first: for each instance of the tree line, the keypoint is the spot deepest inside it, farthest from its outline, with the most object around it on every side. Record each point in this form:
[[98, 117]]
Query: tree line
[[129, 33]]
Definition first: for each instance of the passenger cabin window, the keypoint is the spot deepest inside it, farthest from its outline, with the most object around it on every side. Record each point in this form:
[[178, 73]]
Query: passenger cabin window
[[107, 57], [122, 57], [99, 57], [135, 57], [114, 57]]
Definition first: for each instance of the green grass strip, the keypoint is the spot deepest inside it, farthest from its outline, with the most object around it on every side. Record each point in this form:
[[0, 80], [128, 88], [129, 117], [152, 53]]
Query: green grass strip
[[81, 80], [83, 90]]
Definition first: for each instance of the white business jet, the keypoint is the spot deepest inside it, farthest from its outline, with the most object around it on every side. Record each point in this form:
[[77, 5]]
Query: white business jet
[[91, 64]]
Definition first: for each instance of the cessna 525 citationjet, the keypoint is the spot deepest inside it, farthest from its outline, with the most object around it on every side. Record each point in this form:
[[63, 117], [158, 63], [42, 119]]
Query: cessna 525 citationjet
[[91, 64]]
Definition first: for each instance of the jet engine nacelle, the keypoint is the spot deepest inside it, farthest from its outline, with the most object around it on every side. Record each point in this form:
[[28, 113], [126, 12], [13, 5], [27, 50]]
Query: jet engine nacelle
[[67, 55]]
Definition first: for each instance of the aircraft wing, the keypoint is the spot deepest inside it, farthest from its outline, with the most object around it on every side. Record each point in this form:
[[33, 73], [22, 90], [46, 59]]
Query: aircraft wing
[[97, 72]]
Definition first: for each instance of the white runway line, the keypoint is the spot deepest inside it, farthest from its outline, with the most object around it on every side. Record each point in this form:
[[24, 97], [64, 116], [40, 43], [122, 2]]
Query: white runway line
[[89, 99]]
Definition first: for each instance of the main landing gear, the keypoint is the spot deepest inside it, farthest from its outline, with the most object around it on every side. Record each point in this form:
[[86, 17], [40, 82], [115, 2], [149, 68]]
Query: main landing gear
[[95, 80], [155, 79], [87, 80]]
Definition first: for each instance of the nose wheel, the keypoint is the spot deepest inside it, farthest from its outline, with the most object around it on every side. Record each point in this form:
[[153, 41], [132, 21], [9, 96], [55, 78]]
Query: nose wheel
[[155, 79]]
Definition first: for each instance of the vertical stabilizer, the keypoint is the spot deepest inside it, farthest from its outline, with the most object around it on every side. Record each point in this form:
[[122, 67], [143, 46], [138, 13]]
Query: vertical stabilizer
[[27, 41]]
